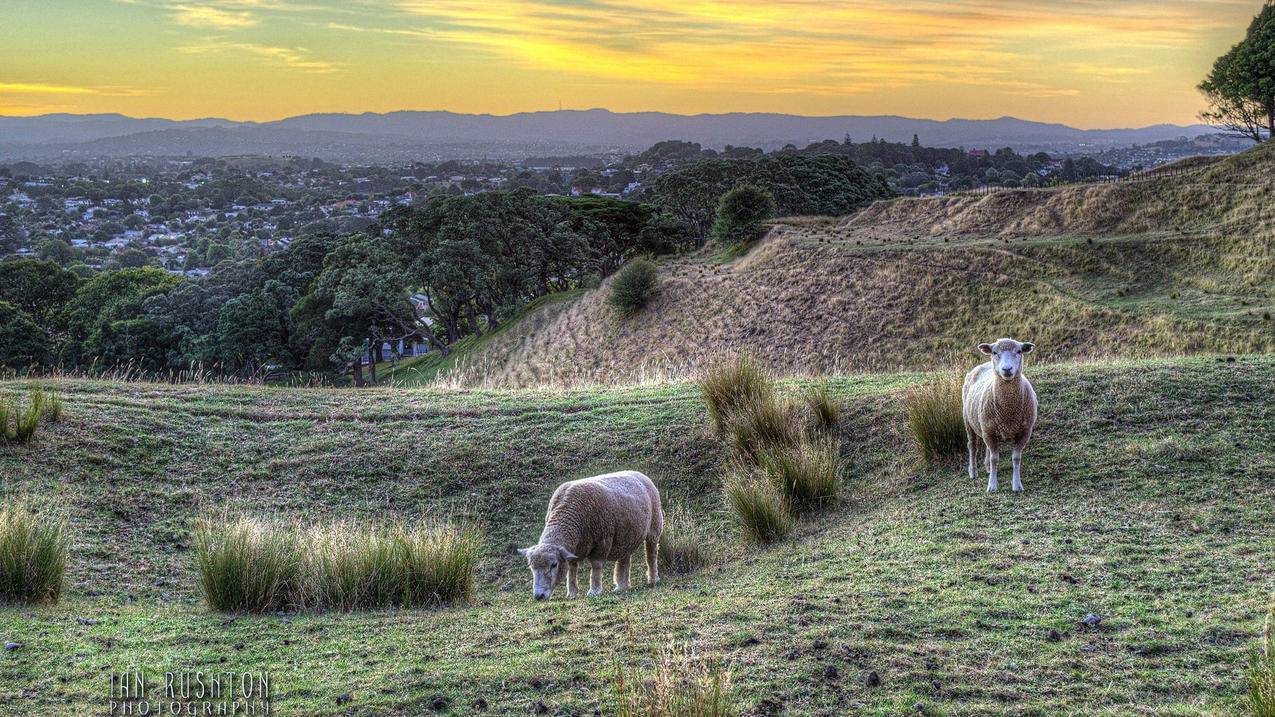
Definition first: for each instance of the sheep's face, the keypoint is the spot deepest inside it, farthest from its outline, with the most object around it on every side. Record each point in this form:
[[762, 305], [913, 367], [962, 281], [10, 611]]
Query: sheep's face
[[548, 565], [1007, 357]]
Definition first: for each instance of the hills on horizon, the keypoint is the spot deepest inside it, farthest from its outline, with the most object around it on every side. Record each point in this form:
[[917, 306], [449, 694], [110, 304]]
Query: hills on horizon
[[404, 135]]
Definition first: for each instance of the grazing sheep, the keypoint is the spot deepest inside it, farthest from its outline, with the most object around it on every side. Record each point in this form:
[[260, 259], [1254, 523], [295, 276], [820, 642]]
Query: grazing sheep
[[601, 518], [999, 406]]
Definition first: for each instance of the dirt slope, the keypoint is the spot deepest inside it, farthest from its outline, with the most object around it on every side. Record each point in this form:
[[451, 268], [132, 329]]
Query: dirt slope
[[1181, 263]]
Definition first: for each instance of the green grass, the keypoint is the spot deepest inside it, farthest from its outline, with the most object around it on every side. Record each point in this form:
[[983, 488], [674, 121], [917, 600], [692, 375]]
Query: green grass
[[934, 417], [1149, 500]]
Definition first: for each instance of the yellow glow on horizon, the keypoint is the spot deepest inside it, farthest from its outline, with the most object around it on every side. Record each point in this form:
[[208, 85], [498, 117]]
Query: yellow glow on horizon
[[1089, 63]]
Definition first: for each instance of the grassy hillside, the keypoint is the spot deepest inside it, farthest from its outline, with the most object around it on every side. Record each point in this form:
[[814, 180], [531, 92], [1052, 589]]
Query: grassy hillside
[[1179, 264], [1150, 496]]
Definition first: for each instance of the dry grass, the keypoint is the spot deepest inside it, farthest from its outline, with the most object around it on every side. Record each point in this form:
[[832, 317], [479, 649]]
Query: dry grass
[[807, 474], [934, 418], [761, 426], [681, 685], [33, 551], [825, 414]]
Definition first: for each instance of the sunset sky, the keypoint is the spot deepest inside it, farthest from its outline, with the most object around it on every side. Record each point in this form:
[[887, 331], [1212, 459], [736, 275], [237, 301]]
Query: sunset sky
[[1087, 63]]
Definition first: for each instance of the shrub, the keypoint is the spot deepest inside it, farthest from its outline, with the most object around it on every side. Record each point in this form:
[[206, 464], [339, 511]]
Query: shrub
[[729, 385], [681, 685], [32, 557], [934, 416], [633, 286], [1261, 694], [265, 566], [740, 214], [249, 565], [807, 474], [760, 509], [18, 424], [681, 545], [824, 413]]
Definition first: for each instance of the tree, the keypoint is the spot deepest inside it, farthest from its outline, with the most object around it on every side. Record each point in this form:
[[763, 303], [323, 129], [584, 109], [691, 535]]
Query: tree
[[740, 214], [22, 342], [37, 288], [1240, 88], [55, 250], [110, 298]]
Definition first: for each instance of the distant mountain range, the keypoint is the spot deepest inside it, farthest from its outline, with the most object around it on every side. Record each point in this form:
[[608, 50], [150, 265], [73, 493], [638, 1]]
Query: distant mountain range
[[430, 135]]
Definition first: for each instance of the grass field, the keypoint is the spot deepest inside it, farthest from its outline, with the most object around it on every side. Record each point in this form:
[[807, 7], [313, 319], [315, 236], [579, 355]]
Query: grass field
[[1150, 500]]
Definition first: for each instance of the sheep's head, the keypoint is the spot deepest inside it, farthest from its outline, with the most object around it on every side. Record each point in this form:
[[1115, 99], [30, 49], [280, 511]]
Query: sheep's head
[[1007, 357], [548, 565]]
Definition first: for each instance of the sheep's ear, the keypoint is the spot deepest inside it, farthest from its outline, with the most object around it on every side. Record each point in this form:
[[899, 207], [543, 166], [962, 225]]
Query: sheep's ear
[[1028, 346], [986, 348], [568, 555], [523, 551]]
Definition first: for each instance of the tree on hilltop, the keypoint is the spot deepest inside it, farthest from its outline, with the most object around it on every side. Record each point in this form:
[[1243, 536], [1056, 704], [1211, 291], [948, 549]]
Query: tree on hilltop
[[1240, 88]]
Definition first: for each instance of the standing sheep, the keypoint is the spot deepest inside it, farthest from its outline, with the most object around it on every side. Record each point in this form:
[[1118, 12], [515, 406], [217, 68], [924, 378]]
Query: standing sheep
[[601, 518], [999, 406]]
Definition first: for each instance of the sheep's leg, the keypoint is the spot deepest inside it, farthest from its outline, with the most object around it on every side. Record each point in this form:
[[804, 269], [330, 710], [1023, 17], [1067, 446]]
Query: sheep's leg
[[1018, 468], [595, 577], [622, 574], [652, 560], [573, 586], [971, 442], [993, 460]]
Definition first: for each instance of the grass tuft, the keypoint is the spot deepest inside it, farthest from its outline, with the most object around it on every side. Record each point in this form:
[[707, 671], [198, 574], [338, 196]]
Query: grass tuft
[[825, 414], [681, 544], [32, 557], [254, 566], [633, 286], [807, 475], [760, 509], [681, 685], [729, 386], [18, 424], [934, 417], [761, 426], [1261, 675]]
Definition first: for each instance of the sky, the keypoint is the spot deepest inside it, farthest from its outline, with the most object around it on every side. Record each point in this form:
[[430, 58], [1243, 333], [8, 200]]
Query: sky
[[1086, 63]]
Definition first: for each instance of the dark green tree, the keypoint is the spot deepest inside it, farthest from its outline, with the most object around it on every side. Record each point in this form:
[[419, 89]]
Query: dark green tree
[[740, 214], [23, 343], [1240, 88]]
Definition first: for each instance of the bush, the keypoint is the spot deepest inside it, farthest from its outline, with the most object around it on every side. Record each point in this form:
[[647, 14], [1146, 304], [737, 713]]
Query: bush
[[248, 565], [261, 567], [19, 424], [760, 509], [32, 557], [682, 685], [807, 474], [934, 416], [1261, 694], [681, 545], [740, 214], [728, 386], [824, 414], [633, 286]]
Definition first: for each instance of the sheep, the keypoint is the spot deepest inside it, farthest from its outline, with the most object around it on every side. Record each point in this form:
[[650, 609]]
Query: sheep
[[605, 517], [999, 406]]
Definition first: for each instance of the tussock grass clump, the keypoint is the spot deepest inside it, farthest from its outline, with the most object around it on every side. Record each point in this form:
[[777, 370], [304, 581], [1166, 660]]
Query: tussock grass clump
[[1261, 675], [760, 509], [824, 413], [634, 285], [32, 557], [763, 425], [731, 385], [255, 566], [681, 685], [250, 565], [681, 544], [934, 417], [807, 475], [19, 423]]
